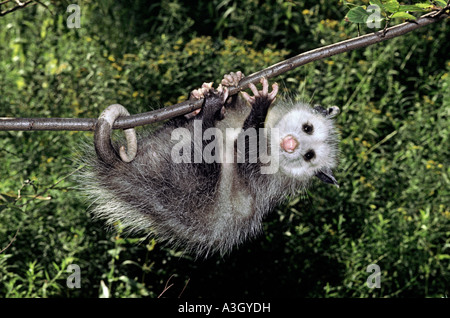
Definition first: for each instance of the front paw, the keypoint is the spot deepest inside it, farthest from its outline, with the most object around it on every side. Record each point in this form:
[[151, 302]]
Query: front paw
[[197, 94], [213, 106], [261, 97]]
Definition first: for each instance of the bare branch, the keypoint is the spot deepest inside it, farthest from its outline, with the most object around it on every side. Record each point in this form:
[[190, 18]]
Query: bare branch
[[19, 5], [88, 124], [45, 6], [42, 193], [167, 286], [185, 285], [33, 198], [12, 240]]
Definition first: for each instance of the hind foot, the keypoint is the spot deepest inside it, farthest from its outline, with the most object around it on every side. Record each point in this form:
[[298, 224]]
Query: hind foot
[[260, 103], [197, 94], [261, 97], [213, 107], [232, 79]]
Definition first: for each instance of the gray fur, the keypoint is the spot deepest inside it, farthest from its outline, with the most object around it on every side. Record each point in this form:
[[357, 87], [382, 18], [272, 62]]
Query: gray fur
[[201, 211]]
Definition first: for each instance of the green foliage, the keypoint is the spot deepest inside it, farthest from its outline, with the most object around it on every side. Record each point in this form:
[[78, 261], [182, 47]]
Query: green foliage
[[393, 206], [390, 9]]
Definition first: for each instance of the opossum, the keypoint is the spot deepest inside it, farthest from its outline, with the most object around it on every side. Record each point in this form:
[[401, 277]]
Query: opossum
[[204, 182]]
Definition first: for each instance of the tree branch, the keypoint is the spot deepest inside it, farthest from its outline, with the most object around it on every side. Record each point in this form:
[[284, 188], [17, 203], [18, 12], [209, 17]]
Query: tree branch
[[20, 5], [88, 124]]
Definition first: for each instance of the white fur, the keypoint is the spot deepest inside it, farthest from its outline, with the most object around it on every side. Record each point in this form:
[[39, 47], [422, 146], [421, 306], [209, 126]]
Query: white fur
[[289, 118]]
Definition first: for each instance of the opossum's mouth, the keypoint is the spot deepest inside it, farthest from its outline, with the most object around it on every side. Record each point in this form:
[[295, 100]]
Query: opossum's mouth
[[289, 144]]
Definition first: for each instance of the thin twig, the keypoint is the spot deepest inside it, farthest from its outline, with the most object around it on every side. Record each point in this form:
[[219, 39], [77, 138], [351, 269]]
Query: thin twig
[[88, 124], [41, 194], [185, 285], [13, 239], [20, 6], [33, 198], [45, 6], [378, 144], [166, 287]]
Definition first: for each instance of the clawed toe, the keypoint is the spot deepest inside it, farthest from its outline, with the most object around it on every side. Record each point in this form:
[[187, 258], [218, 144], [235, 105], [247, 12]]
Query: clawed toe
[[202, 91], [232, 79], [214, 101], [223, 91], [264, 93], [197, 94]]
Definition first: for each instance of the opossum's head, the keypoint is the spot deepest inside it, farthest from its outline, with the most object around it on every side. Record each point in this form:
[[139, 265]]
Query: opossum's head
[[308, 140]]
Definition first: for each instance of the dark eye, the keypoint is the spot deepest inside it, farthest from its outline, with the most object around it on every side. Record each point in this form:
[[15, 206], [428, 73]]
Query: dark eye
[[309, 155], [308, 128]]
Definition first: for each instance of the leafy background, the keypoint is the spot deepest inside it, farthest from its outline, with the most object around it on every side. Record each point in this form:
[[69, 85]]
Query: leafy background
[[392, 208]]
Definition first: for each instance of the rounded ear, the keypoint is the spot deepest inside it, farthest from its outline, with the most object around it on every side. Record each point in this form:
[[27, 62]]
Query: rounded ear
[[329, 113], [333, 111], [318, 108], [327, 177]]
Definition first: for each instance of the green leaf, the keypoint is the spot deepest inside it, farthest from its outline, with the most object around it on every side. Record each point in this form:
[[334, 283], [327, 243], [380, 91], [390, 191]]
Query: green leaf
[[391, 5], [374, 17], [376, 3], [289, 13], [425, 6], [403, 15], [379, 4], [7, 198], [357, 15], [410, 8], [441, 3]]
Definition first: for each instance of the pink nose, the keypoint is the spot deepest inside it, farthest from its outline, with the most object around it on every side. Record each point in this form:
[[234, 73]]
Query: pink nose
[[289, 143]]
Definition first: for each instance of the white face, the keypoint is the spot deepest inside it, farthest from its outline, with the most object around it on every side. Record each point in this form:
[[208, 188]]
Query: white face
[[308, 143]]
